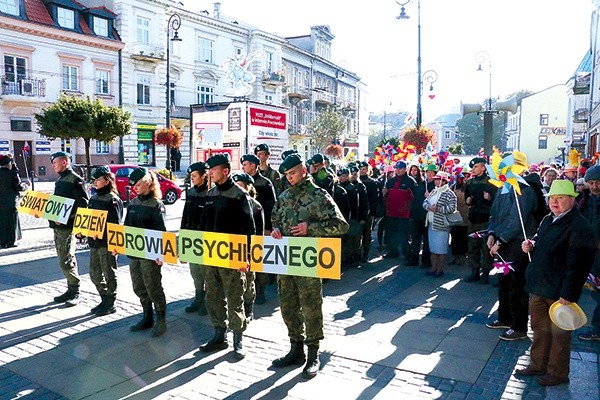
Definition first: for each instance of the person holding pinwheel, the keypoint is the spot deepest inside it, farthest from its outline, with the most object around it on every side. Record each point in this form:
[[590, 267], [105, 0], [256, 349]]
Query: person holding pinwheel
[[511, 222]]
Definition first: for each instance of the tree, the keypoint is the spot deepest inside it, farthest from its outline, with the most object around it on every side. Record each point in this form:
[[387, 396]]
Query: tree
[[456, 149], [72, 118], [326, 128]]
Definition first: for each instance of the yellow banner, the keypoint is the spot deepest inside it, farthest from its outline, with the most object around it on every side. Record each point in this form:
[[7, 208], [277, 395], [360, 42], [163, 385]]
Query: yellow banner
[[142, 243], [90, 222], [48, 206], [214, 249]]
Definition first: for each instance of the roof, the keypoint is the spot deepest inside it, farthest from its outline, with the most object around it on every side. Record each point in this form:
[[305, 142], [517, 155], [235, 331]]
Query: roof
[[36, 11], [586, 64], [448, 119]]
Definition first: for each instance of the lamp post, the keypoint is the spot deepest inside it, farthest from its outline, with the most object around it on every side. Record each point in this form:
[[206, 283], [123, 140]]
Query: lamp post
[[488, 114], [173, 24], [403, 15]]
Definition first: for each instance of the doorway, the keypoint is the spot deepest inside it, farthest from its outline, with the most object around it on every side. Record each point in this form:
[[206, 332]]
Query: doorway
[[24, 157]]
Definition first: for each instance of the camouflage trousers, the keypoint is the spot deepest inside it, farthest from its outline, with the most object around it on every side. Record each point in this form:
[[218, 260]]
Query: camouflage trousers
[[250, 288], [103, 266], [147, 283], [64, 240], [301, 300], [225, 297], [197, 272]]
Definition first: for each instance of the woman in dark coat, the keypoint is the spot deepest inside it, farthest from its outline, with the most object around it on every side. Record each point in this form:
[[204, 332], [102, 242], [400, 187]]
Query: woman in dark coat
[[10, 186]]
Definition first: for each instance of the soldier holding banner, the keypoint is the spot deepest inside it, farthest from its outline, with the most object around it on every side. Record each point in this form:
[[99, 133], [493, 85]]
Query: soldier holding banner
[[303, 210], [72, 186], [147, 211], [192, 218], [228, 210], [103, 264]]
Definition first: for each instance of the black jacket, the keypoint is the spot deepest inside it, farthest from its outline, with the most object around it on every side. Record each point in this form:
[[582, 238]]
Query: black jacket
[[479, 210], [265, 194], [106, 200], [228, 210], [146, 212], [193, 210], [10, 186], [72, 186], [340, 197], [504, 221], [562, 257], [373, 193], [590, 208]]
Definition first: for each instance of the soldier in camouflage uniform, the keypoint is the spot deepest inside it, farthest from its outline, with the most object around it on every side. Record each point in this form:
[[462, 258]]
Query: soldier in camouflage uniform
[[228, 210], [103, 264], [72, 186], [303, 210], [192, 217], [245, 182], [147, 211], [263, 152]]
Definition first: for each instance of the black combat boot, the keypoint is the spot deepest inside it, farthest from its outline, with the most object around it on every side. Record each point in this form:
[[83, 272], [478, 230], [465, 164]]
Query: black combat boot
[[100, 306], [160, 326], [73, 299], [63, 297], [311, 369], [109, 306], [238, 348], [473, 277], [197, 303], [218, 342], [146, 322], [260, 294], [294, 356], [249, 311]]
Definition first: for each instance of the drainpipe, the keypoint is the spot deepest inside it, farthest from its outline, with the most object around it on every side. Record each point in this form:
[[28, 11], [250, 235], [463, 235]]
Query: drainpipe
[[120, 73]]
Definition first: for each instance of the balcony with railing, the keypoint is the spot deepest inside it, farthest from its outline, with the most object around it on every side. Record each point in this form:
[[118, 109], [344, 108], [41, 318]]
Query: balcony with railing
[[273, 78], [581, 115], [323, 98], [26, 87], [147, 52], [297, 92]]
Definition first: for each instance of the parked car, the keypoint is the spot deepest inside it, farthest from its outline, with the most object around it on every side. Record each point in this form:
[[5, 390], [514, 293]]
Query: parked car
[[170, 191]]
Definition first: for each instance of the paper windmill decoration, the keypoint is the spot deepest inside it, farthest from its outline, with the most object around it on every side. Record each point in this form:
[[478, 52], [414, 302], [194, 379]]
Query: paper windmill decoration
[[506, 172], [405, 151], [503, 266]]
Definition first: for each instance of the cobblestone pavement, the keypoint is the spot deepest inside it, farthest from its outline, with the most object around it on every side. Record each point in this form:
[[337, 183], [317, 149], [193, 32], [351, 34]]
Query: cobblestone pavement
[[390, 333]]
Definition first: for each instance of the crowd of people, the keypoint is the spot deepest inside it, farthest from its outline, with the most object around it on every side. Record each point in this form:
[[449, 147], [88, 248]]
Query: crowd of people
[[422, 214]]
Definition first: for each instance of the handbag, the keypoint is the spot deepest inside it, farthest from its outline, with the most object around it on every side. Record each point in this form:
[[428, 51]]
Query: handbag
[[454, 218]]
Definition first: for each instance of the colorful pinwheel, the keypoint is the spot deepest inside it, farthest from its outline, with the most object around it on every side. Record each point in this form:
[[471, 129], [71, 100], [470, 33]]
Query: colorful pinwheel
[[405, 151], [505, 172], [503, 266]]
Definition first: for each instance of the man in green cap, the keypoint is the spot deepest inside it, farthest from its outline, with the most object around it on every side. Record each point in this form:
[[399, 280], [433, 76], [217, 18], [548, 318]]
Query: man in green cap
[[227, 210], [303, 210], [72, 186], [192, 218], [263, 153]]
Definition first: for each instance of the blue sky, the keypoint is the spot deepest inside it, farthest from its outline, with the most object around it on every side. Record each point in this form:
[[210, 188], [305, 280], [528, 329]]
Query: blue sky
[[533, 44]]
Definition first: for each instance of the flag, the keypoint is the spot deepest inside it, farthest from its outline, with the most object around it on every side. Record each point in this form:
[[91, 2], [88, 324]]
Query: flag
[[409, 118], [26, 151]]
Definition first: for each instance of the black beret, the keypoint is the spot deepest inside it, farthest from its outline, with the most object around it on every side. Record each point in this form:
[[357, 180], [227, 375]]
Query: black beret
[[353, 168], [288, 152], [290, 162], [136, 175], [317, 158], [199, 166], [218, 159], [261, 147], [5, 159], [59, 154], [243, 177], [326, 157], [101, 171], [250, 158], [477, 160], [363, 164], [343, 171]]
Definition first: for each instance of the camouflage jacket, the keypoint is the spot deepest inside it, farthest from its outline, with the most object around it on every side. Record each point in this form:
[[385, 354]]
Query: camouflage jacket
[[305, 202], [274, 176]]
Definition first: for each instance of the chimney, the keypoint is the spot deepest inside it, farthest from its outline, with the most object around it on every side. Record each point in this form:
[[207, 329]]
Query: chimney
[[217, 10]]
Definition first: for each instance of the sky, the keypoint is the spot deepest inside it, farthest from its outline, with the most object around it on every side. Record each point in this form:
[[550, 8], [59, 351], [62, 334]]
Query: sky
[[532, 44]]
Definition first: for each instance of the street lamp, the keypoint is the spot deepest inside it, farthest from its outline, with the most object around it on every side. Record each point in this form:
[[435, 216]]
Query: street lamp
[[430, 77], [403, 15], [173, 24], [483, 57]]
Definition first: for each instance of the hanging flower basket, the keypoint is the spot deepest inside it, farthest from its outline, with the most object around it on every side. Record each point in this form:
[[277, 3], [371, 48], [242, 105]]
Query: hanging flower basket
[[334, 150], [419, 137], [171, 137]]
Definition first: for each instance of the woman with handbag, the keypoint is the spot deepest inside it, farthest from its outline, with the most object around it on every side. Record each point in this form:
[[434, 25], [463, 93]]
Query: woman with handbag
[[439, 204]]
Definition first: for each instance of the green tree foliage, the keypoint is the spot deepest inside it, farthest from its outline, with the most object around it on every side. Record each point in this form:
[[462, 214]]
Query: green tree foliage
[[456, 149], [326, 128], [73, 118]]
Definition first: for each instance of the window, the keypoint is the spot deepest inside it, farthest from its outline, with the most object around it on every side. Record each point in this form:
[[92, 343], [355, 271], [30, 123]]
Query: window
[[269, 57], [66, 18], [172, 95], [142, 30], [9, 7], [238, 51], [143, 89], [15, 68], [102, 82], [544, 120], [543, 142], [447, 135], [205, 50], [20, 125], [268, 99], [65, 145], [205, 94], [102, 147], [101, 26], [70, 75]]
